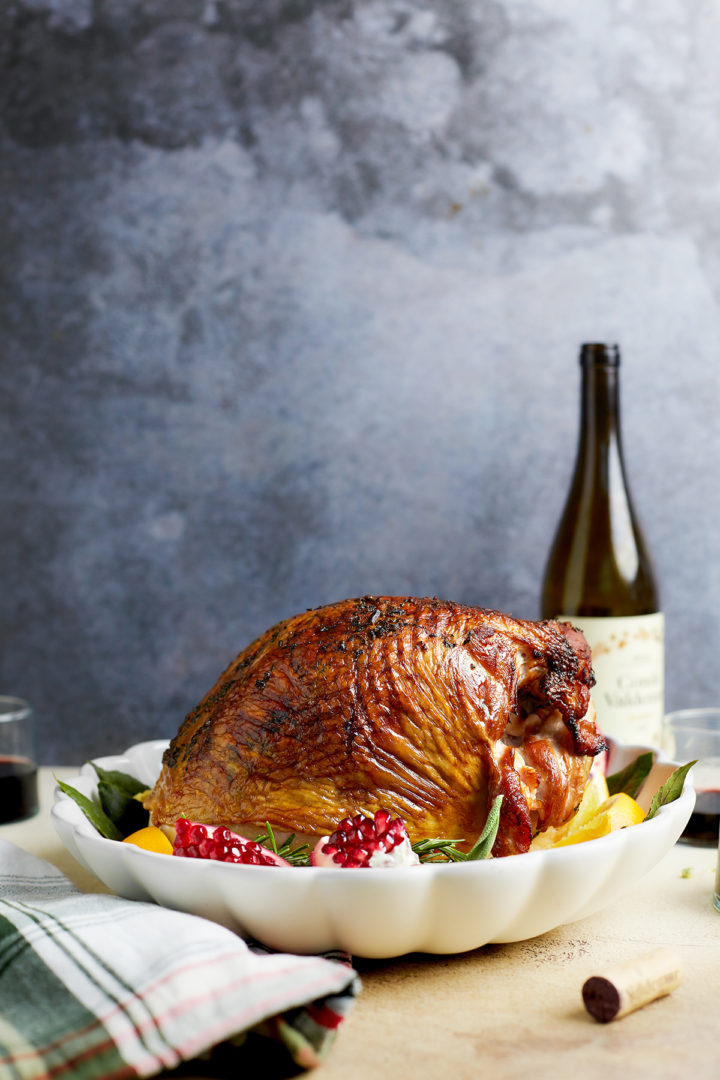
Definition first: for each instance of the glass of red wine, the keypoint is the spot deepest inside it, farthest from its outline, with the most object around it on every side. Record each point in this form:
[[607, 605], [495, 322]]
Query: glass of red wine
[[694, 735], [18, 764]]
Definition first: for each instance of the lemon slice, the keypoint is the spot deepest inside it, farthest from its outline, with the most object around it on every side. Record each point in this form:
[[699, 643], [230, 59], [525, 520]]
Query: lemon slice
[[617, 812], [595, 794], [151, 839]]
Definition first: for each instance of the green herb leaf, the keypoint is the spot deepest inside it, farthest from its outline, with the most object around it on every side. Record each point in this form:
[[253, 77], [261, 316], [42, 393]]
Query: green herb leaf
[[124, 810], [296, 856], [439, 850], [436, 849], [483, 846], [271, 834], [122, 781], [670, 790], [92, 812], [630, 779]]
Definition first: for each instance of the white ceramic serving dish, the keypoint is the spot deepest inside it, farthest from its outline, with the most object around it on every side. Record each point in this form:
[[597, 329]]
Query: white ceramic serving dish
[[434, 908]]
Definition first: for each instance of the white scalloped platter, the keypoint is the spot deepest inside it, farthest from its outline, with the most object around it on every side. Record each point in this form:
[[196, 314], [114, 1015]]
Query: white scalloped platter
[[433, 908]]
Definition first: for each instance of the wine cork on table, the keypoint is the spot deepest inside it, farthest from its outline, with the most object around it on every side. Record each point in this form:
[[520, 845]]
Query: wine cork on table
[[623, 988]]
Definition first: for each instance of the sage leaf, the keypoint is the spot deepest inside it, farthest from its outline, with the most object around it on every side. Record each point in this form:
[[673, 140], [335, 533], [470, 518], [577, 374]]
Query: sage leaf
[[95, 815], [630, 779], [670, 790], [483, 845]]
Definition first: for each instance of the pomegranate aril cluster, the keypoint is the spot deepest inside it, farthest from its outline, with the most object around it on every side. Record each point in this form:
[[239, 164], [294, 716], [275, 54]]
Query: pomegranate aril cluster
[[357, 839], [196, 841]]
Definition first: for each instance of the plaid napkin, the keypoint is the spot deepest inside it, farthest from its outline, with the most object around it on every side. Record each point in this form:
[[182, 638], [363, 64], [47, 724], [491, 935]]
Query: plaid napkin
[[96, 986]]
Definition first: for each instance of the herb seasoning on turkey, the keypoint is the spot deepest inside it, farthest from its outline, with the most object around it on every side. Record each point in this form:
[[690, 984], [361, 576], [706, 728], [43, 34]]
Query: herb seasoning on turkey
[[427, 708]]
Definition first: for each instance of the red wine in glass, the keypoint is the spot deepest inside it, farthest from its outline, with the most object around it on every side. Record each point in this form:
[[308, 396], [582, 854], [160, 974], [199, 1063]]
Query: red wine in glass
[[18, 789], [704, 824]]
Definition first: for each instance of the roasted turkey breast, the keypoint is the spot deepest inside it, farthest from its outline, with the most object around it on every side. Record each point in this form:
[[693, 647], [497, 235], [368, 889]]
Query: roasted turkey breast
[[423, 707]]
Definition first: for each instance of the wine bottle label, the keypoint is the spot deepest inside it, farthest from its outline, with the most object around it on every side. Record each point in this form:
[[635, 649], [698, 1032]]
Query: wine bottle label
[[628, 659]]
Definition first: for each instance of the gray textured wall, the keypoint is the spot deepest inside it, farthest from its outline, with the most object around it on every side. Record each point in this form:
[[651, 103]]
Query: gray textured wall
[[291, 298]]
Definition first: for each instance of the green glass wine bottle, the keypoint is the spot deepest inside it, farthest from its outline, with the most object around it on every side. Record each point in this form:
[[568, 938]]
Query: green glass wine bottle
[[599, 575]]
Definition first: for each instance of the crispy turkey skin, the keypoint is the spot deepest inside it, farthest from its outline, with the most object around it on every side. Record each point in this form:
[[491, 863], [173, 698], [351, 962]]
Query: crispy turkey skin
[[424, 707]]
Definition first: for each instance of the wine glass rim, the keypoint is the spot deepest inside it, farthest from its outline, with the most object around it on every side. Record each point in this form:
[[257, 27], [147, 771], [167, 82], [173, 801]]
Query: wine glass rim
[[13, 708], [694, 720]]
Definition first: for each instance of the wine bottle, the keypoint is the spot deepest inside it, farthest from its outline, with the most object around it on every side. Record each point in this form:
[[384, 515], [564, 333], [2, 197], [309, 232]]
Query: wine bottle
[[599, 576]]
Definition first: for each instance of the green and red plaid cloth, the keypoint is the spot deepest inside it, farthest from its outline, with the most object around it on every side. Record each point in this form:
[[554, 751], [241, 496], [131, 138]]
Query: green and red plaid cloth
[[94, 986]]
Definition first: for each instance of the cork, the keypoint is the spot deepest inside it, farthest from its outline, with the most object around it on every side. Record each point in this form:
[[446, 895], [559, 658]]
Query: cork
[[622, 989]]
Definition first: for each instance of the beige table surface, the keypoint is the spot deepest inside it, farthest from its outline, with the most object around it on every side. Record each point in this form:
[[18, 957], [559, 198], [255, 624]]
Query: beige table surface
[[515, 1011]]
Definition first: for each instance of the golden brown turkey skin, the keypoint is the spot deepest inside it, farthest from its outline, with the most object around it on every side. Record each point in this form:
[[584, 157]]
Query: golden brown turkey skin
[[424, 707]]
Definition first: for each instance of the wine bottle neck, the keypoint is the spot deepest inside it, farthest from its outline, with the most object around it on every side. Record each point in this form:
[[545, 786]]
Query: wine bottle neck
[[600, 410], [598, 565]]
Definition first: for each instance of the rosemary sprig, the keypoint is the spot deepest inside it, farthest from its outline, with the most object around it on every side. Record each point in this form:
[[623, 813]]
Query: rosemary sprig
[[439, 850], [296, 856]]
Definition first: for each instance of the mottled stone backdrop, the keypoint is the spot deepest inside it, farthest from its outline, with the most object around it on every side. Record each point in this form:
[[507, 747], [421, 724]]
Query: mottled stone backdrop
[[292, 292]]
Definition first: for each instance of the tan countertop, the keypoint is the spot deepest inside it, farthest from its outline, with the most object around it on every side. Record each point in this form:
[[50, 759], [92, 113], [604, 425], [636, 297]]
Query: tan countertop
[[516, 1010]]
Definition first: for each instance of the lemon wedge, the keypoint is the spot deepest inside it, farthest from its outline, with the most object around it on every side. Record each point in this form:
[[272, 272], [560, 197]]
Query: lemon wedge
[[151, 839], [595, 794], [617, 812]]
